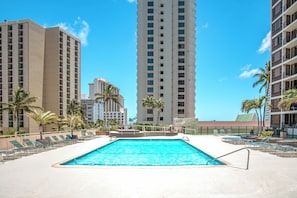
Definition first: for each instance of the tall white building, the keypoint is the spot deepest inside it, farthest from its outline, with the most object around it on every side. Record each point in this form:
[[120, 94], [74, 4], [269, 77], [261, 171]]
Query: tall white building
[[166, 58]]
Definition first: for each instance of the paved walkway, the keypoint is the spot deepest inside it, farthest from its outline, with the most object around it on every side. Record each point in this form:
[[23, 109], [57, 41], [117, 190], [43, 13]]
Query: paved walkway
[[36, 176]]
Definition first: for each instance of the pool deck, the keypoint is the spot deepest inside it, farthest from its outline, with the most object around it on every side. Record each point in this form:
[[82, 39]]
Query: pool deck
[[38, 175]]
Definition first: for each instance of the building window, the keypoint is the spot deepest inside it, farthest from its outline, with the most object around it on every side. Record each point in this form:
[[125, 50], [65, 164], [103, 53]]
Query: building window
[[180, 104], [150, 3], [149, 111], [181, 75], [150, 82], [181, 67], [181, 3], [150, 119], [181, 97], [150, 32], [181, 82], [150, 60], [150, 39], [150, 68], [181, 17], [150, 25], [150, 11], [181, 46], [181, 31], [181, 111], [181, 24], [181, 53], [181, 89], [150, 75], [150, 18], [150, 46], [181, 60], [150, 53], [150, 89], [181, 10], [181, 38]]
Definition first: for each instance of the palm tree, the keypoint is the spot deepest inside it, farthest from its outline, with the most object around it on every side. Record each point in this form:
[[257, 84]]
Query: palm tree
[[74, 108], [263, 80], [42, 118], [74, 121], [21, 101], [109, 95], [159, 104], [152, 103], [60, 122], [257, 105], [149, 102], [289, 98]]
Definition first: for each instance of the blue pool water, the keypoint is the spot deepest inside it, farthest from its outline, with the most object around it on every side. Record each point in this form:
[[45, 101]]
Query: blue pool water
[[145, 152]]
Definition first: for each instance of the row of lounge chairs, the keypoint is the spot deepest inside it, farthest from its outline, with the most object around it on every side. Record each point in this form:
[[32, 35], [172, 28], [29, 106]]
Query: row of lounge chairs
[[264, 145], [30, 147]]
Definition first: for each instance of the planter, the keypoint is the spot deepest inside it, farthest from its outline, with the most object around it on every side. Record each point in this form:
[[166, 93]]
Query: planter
[[283, 134], [102, 133]]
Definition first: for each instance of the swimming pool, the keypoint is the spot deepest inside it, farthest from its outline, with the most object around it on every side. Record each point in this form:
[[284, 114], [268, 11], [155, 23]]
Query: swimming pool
[[145, 152]]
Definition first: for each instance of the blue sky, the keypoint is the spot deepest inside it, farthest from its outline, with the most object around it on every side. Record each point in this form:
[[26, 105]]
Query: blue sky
[[232, 43]]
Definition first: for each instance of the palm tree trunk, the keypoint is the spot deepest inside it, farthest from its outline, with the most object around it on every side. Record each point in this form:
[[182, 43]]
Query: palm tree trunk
[[158, 117], [258, 122], [260, 116], [17, 122], [41, 131], [105, 114]]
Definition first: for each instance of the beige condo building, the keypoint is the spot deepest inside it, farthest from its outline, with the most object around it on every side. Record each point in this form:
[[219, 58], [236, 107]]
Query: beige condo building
[[283, 61], [166, 58], [44, 61]]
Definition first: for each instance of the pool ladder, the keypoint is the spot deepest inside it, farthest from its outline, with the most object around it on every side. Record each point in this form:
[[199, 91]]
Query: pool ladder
[[248, 156]]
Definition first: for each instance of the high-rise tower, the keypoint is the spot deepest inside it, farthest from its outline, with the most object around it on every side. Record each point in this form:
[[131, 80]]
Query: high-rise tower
[[283, 61], [43, 61], [166, 58]]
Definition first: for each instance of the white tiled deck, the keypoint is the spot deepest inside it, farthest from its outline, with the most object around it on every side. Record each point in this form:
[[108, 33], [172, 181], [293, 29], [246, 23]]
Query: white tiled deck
[[36, 176]]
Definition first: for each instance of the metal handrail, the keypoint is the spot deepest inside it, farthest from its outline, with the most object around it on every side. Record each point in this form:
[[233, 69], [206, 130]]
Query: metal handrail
[[186, 138], [248, 157]]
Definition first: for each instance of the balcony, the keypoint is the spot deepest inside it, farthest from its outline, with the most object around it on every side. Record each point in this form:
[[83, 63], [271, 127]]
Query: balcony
[[289, 4]]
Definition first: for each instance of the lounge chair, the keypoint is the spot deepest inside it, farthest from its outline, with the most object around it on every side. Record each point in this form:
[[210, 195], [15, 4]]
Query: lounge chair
[[9, 155], [22, 149], [52, 143], [32, 145], [67, 139]]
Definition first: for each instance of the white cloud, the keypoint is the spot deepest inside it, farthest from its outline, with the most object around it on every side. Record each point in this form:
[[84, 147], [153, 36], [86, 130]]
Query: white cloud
[[131, 1], [247, 72], [79, 29], [266, 43]]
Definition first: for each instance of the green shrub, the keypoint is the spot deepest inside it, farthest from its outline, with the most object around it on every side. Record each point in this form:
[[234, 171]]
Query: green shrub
[[267, 133]]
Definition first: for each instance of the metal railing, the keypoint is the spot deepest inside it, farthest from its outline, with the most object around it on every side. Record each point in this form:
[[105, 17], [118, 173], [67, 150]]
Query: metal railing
[[248, 156]]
